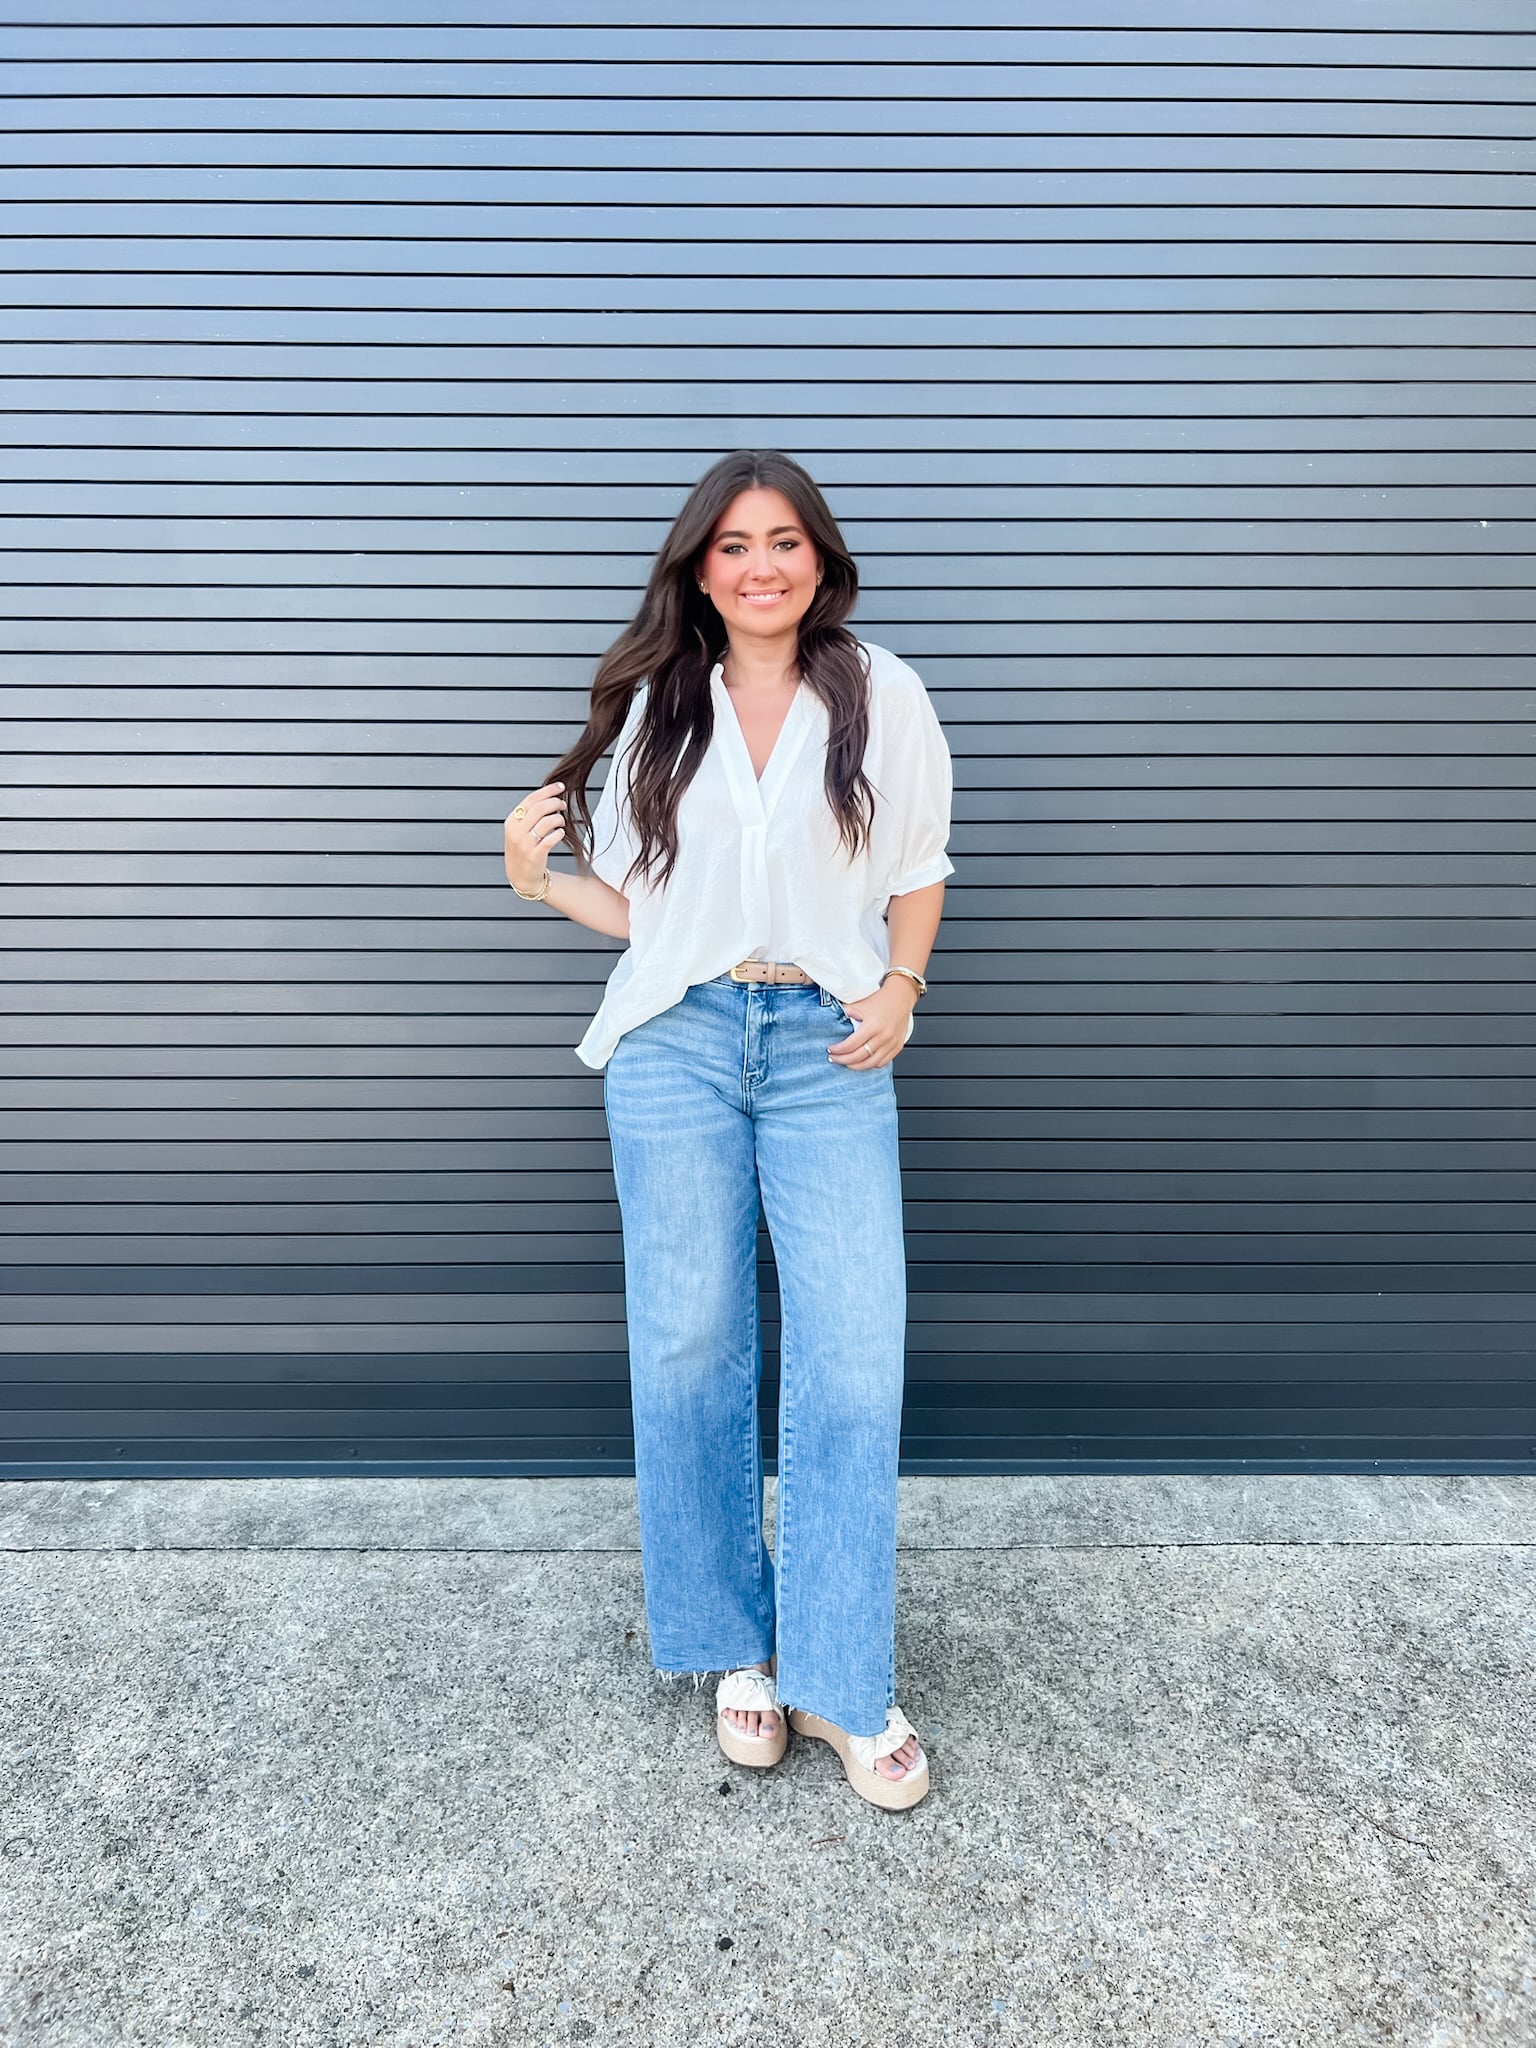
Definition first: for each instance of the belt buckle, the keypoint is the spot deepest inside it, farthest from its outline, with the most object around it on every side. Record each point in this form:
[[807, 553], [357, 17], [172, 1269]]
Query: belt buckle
[[736, 973]]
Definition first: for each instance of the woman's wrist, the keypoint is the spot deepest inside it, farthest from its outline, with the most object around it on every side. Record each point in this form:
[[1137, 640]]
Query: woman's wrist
[[907, 978], [586, 899]]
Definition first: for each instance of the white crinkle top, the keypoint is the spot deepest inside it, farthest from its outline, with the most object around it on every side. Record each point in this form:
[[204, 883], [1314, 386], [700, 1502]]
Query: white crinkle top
[[761, 863]]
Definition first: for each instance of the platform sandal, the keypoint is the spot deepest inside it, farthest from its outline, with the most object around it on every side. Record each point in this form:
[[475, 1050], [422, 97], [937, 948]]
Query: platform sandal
[[750, 1692], [861, 1752]]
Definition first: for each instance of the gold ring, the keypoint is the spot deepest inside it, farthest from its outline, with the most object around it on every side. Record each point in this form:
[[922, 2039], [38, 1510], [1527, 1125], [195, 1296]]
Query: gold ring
[[521, 811]]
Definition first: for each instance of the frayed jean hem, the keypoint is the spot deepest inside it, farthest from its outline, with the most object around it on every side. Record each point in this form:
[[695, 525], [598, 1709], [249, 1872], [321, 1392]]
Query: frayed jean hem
[[698, 1670]]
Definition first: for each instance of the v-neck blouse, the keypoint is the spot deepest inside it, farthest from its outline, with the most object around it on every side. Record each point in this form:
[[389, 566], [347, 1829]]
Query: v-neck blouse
[[761, 873]]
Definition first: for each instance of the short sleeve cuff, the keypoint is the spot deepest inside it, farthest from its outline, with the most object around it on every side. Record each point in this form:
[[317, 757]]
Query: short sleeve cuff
[[934, 870]]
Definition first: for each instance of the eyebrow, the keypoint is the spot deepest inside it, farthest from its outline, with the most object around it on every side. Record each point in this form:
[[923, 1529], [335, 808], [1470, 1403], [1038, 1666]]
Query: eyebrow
[[740, 533]]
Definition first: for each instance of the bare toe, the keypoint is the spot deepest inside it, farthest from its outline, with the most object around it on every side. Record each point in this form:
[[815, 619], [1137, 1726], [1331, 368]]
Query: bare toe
[[746, 1722], [902, 1760], [750, 1720]]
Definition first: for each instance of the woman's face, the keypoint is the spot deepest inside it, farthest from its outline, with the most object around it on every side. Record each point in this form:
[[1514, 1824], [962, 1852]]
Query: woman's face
[[760, 567]]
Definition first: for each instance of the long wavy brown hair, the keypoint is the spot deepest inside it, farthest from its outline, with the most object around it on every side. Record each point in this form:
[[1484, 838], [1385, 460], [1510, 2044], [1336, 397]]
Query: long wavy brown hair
[[674, 641]]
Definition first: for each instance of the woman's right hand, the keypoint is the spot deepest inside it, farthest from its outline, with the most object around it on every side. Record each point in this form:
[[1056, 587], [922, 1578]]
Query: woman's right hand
[[530, 838]]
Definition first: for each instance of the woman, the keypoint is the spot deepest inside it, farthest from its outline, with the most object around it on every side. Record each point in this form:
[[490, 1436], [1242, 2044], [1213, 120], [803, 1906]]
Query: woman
[[777, 788]]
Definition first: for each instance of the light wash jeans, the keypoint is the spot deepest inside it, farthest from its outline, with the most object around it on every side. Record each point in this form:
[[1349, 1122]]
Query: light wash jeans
[[726, 1095]]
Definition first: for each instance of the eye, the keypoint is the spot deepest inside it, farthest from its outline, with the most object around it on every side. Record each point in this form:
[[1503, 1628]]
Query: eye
[[787, 543]]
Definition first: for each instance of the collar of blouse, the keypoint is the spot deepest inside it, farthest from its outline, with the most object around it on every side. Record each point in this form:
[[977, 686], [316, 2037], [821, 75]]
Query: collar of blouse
[[755, 800]]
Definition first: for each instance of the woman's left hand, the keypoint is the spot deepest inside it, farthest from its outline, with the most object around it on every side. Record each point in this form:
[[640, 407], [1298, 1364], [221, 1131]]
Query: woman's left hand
[[881, 1021]]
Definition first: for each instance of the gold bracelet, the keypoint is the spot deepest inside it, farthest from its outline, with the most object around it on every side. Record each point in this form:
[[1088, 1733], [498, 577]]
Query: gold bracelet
[[539, 898], [912, 973]]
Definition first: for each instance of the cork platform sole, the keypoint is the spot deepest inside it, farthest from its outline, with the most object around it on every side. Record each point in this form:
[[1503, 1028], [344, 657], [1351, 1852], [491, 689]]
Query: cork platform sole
[[756, 1751], [892, 1793]]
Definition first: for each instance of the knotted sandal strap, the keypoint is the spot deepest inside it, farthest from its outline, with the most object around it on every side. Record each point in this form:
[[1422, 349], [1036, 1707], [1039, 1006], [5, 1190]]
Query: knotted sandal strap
[[866, 1748], [747, 1692]]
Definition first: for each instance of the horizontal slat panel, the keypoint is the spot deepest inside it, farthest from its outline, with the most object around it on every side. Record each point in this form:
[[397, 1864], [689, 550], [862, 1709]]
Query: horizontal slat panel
[[431, 1078], [464, 554], [945, 450], [375, 1375], [1371, 829], [1385, 884], [1156, 1326], [43, 132], [685, 418], [988, 1199], [1093, 764], [1061, 1228], [394, 36], [824, 220], [688, 72], [527, 471], [1097, 192], [1223, 270], [1337, 641], [991, 1135], [1385, 21], [1339, 1145], [1302, 974], [281, 611], [1260, 1085], [82, 583], [199, 910], [386, 648], [1197, 1053], [512, 672], [213, 982], [544, 716], [1479, 1083], [1283, 1045], [1280, 1427], [1266, 1248], [1391, 125], [1056, 448], [1048, 503], [1315, 939]]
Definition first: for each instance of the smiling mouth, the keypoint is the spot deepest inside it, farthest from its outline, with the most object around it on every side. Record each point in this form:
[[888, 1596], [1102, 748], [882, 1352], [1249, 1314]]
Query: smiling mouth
[[761, 596]]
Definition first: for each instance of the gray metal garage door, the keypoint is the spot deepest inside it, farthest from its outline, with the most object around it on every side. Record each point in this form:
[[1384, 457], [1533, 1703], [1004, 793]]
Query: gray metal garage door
[[1170, 370]]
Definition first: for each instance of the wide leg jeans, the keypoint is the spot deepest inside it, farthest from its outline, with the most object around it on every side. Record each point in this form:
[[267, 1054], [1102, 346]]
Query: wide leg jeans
[[723, 1104]]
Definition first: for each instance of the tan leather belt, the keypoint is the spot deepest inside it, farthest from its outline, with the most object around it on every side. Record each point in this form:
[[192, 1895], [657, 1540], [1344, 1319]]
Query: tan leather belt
[[768, 970]]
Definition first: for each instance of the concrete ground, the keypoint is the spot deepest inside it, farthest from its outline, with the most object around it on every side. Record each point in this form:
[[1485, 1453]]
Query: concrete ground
[[1216, 1760]]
